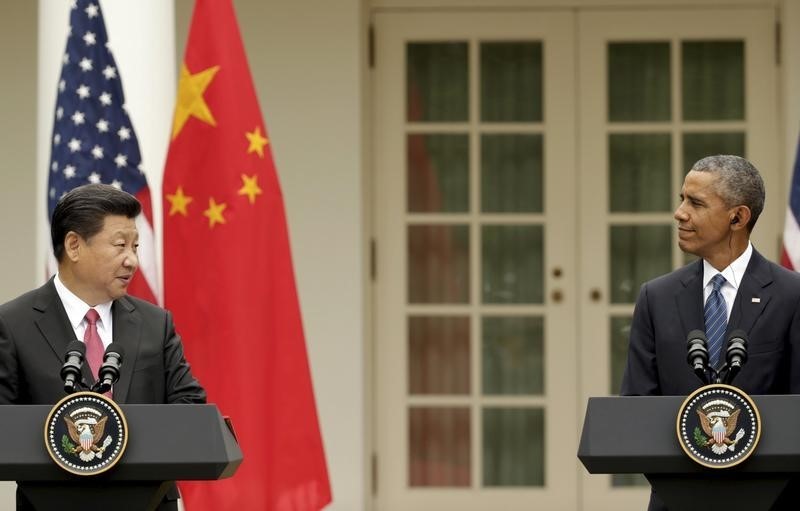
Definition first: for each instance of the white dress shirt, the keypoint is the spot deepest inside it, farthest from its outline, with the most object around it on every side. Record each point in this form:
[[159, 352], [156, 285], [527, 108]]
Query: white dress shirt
[[733, 277], [76, 312]]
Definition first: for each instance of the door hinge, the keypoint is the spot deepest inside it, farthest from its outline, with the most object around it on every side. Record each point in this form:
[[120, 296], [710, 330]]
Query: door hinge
[[371, 46]]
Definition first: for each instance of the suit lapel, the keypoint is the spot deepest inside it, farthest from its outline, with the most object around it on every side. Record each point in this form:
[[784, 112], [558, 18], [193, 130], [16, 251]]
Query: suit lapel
[[54, 325], [127, 329], [690, 298], [753, 295]]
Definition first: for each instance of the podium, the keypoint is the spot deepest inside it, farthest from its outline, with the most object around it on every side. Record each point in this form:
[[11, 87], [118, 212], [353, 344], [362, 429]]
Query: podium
[[638, 435], [166, 443]]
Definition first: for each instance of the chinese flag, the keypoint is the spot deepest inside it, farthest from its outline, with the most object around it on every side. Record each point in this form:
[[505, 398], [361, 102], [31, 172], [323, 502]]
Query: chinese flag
[[228, 278]]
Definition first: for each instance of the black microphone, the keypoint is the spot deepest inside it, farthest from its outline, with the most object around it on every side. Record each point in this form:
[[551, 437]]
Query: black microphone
[[71, 370], [736, 355], [697, 354], [108, 374]]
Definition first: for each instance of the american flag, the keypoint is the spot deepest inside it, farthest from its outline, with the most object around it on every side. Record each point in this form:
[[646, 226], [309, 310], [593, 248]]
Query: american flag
[[93, 138], [790, 256]]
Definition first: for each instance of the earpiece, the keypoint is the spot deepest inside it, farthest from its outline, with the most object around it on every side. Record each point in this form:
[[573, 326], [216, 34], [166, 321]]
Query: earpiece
[[735, 220]]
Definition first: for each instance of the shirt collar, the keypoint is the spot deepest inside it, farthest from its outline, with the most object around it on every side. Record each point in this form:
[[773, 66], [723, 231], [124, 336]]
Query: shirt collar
[[77, 308], [733, 273]]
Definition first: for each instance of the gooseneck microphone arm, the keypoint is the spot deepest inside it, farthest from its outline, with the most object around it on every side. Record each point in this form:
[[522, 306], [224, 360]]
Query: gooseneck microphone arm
[[71, 370], [697, 354]]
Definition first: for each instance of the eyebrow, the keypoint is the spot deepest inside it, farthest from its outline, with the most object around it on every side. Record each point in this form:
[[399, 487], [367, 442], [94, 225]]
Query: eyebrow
[[692, 198]]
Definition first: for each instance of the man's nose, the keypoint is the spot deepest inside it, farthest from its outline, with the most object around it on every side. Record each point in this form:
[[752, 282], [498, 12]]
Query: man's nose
[[132, 260], [680, 215]]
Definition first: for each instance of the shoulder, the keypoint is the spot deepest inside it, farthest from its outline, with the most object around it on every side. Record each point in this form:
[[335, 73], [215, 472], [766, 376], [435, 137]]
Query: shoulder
[[37, 298], [143, 307], [780, 276], [675, 279]]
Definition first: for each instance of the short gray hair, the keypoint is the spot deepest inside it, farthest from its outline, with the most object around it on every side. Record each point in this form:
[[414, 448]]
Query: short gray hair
[[739, 183]]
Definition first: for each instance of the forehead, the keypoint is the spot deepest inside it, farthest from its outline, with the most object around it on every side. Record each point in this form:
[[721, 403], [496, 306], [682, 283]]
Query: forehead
[[113, 224], [700, 183]]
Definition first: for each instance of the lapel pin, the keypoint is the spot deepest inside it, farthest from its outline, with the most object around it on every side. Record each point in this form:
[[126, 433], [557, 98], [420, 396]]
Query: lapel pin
[[755, 299]]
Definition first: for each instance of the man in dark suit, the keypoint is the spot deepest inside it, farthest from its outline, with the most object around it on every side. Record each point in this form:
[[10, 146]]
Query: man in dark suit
[[721, 200], [94, 237]]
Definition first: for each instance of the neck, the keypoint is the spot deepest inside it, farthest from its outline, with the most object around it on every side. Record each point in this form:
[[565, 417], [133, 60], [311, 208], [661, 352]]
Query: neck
[[724, 258], [72, 283]]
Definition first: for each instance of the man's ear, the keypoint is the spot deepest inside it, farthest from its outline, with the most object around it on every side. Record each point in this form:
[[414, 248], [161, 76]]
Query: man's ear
[[740, 217], [72, 246]]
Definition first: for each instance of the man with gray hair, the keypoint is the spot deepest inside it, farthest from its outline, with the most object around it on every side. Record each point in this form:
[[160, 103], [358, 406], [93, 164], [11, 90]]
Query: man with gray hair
[[730, 287]]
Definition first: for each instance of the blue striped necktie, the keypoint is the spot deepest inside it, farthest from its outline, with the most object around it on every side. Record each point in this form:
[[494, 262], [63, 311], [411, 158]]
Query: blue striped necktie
[[716, 314]]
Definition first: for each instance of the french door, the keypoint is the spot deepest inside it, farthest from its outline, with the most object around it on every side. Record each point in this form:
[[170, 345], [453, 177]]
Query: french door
[[526, 164]]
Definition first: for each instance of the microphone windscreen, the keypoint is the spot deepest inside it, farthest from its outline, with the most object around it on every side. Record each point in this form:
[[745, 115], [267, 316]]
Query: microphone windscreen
[[116, 347], [696, 334], [739, 335], [76, 346]]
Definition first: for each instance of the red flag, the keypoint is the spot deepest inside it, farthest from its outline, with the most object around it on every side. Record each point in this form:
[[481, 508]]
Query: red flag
[[229, 281]]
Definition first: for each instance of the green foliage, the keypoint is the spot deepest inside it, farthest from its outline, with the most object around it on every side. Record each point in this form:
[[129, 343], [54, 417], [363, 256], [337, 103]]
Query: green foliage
[[68, 446], [699, 439]]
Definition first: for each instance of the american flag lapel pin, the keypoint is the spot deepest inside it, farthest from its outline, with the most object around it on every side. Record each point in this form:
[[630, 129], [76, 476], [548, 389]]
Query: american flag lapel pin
[[756, 299]]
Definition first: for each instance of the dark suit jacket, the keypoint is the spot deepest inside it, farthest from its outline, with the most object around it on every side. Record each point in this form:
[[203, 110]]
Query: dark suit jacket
[[767, 307], [35, 331]]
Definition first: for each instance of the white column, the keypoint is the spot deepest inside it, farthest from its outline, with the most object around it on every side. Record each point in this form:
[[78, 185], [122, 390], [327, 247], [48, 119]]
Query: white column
[[142, 38]]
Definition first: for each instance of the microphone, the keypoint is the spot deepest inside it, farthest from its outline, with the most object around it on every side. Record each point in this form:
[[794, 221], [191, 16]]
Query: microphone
[[736, 355], [697, 353], [71, 370], [108, 374]]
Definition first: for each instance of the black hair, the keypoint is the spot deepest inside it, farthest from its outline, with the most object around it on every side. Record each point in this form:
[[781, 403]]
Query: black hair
[[84, 210]]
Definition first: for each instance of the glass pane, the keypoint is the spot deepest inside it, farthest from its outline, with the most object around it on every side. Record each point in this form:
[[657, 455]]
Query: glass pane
[[713, 80], [638, 254], [439, 446], [511, 81], [700, 145], [438, 173], [438, 264], [438, 355], [639, 171], [436, 84], [638, 82], [513, 447], [511, 174], [513, 263], [513, 355], [620, 332]]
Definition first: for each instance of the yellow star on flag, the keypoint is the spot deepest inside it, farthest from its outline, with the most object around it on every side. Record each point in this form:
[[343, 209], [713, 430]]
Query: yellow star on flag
[[214, 212], [190, 102], [257, 142], [178, 202], [250, 187]]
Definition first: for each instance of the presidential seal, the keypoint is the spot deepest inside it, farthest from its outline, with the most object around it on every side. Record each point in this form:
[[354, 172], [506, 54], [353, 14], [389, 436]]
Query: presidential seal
[[86, 433], [718, 426]]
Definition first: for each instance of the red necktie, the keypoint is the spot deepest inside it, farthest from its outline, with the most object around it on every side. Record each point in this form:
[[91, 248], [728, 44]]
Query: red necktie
[[94, 346]]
